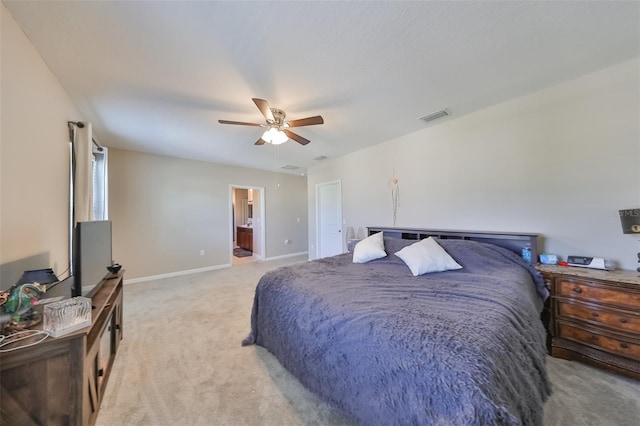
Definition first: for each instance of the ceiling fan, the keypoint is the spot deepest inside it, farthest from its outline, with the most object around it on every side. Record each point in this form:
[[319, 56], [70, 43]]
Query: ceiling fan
[[277, 129]]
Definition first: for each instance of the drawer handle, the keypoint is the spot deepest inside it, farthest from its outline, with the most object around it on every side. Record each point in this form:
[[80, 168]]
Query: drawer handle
[[577, 290], [624, 320], [623, 345], [595, 314]]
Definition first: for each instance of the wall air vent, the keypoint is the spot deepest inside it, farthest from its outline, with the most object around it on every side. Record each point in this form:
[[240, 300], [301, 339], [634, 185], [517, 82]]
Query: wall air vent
[[289, 167], [435, 115], [322, 157]]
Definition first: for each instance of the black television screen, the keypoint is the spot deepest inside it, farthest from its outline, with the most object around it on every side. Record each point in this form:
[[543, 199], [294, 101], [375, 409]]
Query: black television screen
[[92, 255]]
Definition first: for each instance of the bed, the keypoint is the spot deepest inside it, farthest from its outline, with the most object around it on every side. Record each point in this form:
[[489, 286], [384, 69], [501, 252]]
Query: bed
[[389, 348]]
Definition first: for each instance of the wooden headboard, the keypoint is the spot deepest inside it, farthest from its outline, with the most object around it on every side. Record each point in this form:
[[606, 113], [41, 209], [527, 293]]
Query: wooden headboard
[[513, 241]]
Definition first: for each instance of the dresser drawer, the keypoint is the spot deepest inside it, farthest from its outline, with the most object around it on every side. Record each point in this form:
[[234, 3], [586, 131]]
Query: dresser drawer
[[590, 291], [601, 340], [595, 317], [627, 321]]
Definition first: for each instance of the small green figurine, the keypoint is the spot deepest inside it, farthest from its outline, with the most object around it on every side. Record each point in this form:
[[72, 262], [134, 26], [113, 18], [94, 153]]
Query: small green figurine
[[17, 302]]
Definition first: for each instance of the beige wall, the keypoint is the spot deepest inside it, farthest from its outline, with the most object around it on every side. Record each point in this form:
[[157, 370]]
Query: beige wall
[[560, 162], [165, 210], [34, 159]]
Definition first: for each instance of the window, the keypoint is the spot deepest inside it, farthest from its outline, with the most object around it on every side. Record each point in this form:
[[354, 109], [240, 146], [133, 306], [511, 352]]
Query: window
[[100, 184]]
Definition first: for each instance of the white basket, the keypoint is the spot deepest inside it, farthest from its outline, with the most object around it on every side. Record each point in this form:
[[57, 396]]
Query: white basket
[[66, 316]]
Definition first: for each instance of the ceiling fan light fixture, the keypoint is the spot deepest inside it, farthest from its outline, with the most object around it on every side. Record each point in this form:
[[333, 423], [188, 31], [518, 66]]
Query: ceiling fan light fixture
[[277, 129], [275, 136]]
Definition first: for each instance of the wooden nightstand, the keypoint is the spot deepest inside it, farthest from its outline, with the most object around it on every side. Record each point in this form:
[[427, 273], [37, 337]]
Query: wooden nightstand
[[595, 317]]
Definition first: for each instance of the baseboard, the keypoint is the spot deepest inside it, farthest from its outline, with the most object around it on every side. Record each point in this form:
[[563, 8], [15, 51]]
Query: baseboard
[[176, 274], [284, 256], [205, 269]]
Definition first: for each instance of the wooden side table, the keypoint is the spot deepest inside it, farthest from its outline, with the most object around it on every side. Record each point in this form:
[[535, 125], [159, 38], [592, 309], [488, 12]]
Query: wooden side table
[[595, 317]]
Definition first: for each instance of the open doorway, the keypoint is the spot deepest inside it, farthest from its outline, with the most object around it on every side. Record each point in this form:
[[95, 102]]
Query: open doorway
[[247, 223]]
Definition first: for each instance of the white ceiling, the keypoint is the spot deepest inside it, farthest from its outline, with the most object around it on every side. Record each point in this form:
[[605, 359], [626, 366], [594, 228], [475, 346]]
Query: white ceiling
[[157, 76]]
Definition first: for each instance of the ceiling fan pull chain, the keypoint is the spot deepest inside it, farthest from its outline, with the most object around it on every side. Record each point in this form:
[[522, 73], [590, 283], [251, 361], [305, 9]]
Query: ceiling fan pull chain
[[276, 160]]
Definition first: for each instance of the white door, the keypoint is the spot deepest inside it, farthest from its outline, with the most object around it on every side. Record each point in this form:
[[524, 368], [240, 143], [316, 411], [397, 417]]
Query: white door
[[329, 218]]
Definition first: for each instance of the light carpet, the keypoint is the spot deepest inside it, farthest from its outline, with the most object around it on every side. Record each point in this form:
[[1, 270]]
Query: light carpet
[[181, 362]]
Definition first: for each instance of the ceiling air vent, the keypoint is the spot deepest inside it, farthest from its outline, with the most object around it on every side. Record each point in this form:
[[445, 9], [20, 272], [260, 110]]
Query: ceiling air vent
[[322, 157], [434, 115], [289, 167]]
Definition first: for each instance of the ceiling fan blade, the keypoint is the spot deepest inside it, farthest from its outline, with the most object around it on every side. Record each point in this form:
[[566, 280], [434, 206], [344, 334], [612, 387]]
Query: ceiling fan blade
[[297, 138], [260, 142], [264, 108], [241, 123], [309, 121]]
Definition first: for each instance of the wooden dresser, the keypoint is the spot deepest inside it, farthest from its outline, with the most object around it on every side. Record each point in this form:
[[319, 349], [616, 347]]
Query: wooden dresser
[[61, 381], [595, 317]]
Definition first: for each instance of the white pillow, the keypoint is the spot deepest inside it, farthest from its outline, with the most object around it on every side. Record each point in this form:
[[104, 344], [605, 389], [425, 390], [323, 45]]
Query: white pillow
[[427, 256], [370, 248]]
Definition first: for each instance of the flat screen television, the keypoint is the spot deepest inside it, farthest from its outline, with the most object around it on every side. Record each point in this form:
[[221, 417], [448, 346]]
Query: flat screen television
[[92, 255]]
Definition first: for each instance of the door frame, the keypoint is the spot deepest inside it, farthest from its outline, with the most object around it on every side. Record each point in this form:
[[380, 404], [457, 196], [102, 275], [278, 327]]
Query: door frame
[[318, 233], [263, 244]]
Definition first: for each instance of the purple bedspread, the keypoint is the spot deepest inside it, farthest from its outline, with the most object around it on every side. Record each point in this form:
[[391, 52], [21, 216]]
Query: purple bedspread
[[450, 348]]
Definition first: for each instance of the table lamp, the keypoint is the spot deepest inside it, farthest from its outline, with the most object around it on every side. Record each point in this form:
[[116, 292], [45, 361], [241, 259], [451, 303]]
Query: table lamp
[[630, 220], [351, 238]]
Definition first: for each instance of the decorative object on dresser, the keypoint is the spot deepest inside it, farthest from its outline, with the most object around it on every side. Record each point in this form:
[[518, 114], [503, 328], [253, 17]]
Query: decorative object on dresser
[[630, 220], [16, 304], [61, 381], [66, 316], [114, 268], [595, 317]]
